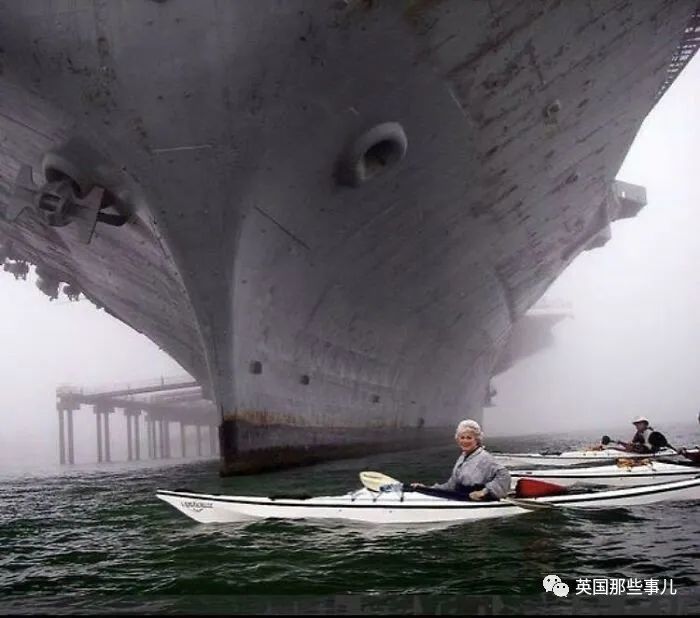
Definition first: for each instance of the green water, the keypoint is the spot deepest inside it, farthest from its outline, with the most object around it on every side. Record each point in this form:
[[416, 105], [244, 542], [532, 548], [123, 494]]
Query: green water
[[95, 539]]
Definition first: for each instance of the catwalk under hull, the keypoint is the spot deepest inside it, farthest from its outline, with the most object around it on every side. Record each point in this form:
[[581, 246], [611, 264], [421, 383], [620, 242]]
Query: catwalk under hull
[[331, 214]]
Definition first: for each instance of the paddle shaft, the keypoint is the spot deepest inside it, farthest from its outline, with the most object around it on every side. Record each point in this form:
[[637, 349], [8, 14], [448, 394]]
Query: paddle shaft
[[605, 440], [530, 504]]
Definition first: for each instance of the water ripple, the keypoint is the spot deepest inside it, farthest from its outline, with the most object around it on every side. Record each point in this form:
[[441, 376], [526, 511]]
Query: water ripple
[[91, 540]]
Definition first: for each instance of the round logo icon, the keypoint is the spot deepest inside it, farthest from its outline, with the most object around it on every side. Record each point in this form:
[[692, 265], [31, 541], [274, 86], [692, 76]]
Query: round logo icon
[[560, 589], [549, 582]]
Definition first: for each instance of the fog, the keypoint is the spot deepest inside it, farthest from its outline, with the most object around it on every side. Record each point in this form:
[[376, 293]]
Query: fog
[[631, 347], [49, 343]]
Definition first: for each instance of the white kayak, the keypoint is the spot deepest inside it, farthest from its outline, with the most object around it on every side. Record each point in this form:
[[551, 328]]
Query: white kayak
[[616, 475], [569, 458], [398, 507]]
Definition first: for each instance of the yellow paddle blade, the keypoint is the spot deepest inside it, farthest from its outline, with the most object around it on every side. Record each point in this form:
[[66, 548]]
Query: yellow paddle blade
[[374, 481]]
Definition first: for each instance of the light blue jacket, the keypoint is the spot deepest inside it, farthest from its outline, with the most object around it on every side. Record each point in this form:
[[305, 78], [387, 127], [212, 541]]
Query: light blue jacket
[[478, 468]]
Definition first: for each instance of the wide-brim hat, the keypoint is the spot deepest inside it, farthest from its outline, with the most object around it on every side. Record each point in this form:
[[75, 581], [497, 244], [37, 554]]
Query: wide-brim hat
[[640, 419]]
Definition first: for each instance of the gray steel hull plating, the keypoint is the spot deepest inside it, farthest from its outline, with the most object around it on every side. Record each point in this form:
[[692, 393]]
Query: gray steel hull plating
[[320, 312]]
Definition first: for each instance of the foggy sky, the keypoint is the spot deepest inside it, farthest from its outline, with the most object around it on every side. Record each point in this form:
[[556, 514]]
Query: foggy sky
[[631, 348]]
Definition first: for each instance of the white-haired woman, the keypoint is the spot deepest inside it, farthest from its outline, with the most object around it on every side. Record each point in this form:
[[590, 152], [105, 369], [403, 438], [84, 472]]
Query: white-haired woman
[[476, 473]]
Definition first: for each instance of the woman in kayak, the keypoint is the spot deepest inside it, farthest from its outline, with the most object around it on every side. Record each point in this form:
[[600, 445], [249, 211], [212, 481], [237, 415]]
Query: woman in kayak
[[476, 473]]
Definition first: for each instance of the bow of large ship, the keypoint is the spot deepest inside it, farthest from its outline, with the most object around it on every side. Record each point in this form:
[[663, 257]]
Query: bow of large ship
[[331, 214]]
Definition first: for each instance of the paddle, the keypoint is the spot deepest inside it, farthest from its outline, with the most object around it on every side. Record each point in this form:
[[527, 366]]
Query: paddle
[[659, 441], [530, 504], [656, 439], [605, 440], [376, 481]]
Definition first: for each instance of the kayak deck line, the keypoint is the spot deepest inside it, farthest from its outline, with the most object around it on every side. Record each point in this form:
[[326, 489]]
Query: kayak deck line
[[442, 503], [577, 459], [581, 473]]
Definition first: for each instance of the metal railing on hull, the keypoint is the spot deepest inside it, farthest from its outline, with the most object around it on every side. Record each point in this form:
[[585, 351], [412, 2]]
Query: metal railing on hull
[[684, 53]]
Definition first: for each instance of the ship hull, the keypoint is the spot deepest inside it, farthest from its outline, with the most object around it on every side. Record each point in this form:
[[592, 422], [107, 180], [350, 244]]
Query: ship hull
[[336, 213], [272, 447]]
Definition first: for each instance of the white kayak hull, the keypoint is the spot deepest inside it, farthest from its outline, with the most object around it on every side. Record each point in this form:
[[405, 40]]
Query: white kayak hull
[[398, 508], [362, 506], [569, 458], [611, 475]]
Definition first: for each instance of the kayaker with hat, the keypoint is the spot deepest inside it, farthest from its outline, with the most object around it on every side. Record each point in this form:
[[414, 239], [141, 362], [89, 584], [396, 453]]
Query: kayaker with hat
[[640, 441], [476, 473]]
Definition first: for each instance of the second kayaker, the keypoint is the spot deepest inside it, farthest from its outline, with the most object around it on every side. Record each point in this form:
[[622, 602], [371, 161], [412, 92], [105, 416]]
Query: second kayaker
[[640, 442]]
